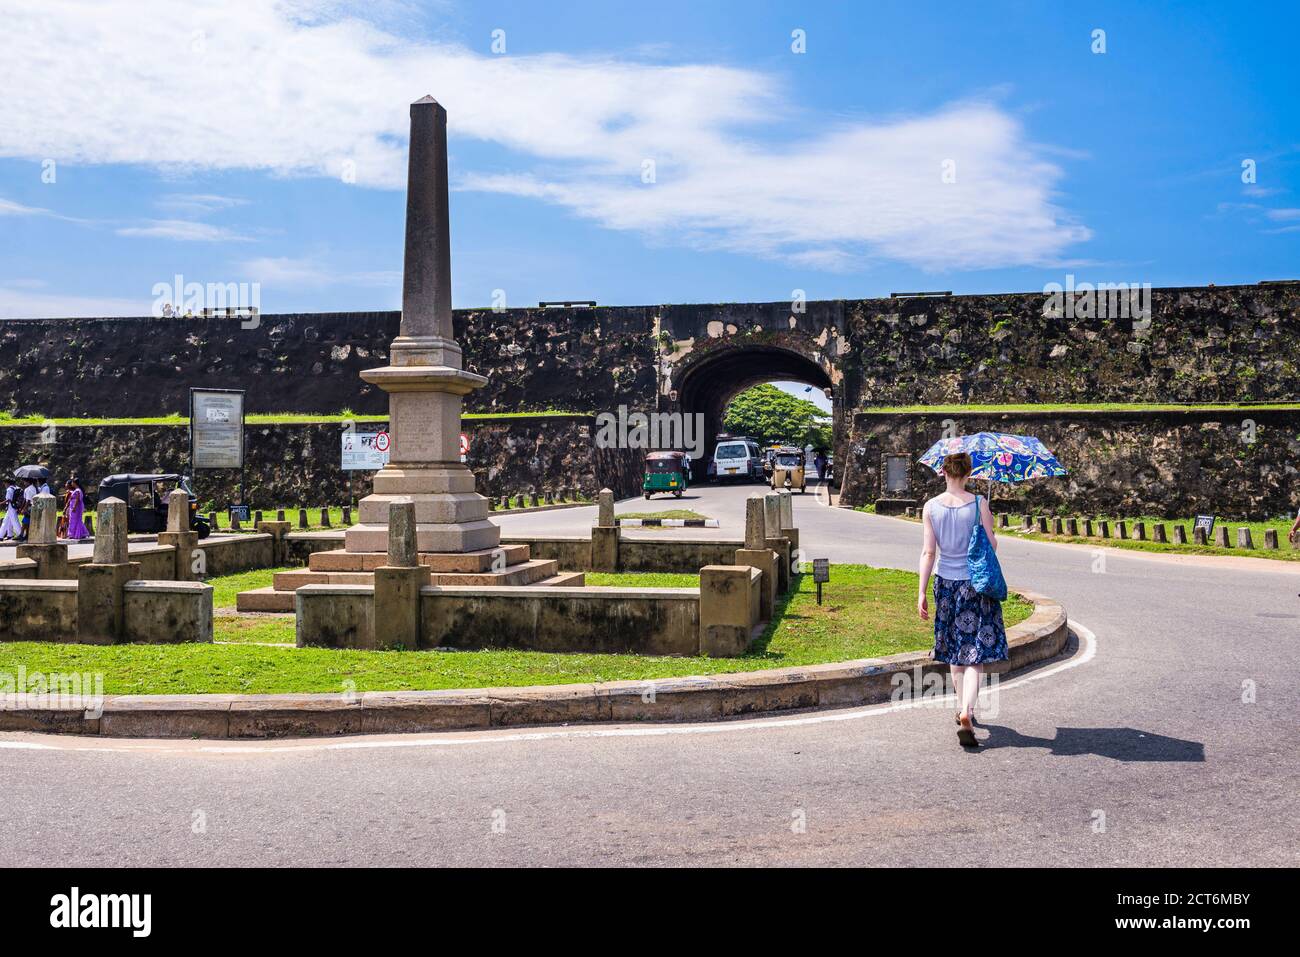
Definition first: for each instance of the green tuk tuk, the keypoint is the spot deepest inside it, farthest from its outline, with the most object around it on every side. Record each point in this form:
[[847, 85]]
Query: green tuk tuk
[[666, 472]]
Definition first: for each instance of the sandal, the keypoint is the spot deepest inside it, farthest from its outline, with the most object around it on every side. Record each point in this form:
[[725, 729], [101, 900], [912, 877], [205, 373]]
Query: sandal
[[966, 734], [972, 718]]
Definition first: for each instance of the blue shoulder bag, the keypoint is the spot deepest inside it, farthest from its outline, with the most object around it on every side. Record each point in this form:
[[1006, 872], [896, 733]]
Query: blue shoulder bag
[[982, 561]]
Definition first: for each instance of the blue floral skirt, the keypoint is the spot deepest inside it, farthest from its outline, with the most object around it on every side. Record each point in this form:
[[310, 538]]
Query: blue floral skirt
[[968, 627]]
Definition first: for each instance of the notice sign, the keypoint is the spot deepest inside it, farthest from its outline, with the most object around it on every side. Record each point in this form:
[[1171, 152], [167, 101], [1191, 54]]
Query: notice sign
[[365, 451], [821, 570], [1206, 522], [217, 428]]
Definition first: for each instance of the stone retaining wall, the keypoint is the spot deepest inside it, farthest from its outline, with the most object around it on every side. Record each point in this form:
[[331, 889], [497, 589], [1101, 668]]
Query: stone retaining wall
[[1240, 465]]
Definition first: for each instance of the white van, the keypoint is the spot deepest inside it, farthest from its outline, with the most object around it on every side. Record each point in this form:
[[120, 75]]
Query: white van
[[736, 459]]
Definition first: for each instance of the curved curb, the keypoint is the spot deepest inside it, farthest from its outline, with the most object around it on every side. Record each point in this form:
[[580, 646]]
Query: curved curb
[[840, 685]]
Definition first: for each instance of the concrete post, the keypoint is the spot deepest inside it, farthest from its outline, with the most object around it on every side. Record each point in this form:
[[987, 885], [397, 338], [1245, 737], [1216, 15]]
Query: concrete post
[[302, 518], [42, 545], [1121, 529], [756, 554], [776, 539], [1057, 527], [786, 498], [604, 536], [1198, 535], [398, 584], [279, 532], [1072, 527], [1103, 528], [1159, 533], [1140, 531], [729, 609], [101, 603], [179, 536], [324, 518], [1087, 527], [1221, 536], [1180, 534], [1244, 539], [1270, 538]]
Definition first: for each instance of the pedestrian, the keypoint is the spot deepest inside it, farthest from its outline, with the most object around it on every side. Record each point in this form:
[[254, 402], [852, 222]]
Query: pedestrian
[[968, 628], [10, 528], [819, 461], [1294, 534], [29, 493], [75, 510]]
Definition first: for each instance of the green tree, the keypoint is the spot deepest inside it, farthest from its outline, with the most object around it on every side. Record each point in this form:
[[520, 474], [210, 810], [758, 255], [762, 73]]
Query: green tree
[[767, 413]]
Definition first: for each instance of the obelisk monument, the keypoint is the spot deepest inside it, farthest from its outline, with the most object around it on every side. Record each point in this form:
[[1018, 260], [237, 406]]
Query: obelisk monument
[[424, 379]]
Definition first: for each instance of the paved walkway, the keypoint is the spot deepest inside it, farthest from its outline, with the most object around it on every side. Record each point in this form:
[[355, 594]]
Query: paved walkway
[[1146, 733]]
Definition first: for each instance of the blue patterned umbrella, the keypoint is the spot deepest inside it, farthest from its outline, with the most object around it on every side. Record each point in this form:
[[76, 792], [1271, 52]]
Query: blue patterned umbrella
[[998, 457]]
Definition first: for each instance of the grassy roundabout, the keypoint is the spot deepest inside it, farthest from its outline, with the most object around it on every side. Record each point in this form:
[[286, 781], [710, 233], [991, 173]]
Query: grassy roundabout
[[867, 612]]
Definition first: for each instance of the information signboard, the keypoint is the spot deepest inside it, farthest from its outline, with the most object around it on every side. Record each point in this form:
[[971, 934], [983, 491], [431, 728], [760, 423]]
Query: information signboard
[[365, 451], [216, 428]]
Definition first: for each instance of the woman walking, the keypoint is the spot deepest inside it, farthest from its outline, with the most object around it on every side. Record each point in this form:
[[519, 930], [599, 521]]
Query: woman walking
[[11, 528], [76, 508], [968, 629]]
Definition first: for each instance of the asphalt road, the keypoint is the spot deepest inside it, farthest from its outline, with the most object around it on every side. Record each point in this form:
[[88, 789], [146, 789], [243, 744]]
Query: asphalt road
[[1137, 750]]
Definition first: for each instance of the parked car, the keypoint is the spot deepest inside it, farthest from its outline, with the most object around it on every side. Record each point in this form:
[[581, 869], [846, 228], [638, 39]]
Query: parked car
[[737, 458]]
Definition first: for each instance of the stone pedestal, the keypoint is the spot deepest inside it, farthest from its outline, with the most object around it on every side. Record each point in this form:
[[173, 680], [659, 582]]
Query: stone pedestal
[[279, 532], [756, 555], [42, 546], [398, 584], [185, 544], [101, 600], [604, 535]]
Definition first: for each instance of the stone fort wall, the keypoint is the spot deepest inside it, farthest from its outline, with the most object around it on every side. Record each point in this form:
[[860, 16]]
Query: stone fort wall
[[1202, 344]]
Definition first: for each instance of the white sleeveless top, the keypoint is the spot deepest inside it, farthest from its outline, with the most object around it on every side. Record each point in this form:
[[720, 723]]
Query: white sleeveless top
[[952, 529]]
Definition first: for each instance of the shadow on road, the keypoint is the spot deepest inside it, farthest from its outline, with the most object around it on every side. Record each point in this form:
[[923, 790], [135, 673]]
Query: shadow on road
[[1121, 744]]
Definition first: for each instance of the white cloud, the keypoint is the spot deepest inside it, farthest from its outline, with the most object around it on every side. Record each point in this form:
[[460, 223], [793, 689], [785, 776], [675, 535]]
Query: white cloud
[[182, 230], [20, 300], [289, 272], [303, 88]]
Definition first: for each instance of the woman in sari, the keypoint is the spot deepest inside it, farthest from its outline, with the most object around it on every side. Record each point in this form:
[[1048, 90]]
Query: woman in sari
[[75, 509]]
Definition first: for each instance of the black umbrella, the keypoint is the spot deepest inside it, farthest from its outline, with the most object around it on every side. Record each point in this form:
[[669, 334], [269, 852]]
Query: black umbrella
[[38, 472]]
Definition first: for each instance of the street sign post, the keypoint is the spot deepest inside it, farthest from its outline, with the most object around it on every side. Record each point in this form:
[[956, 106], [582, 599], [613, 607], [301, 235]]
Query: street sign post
[[821, 573], [217, 431], [364, 451]]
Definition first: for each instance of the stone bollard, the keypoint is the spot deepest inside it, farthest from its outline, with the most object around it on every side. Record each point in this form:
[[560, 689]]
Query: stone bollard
[[180, 537], [234, 521], [1072, 527], [536, 499], [42, 545], [1087, 528], [1221, 537], [279, 532], [1042, 524], [325, 518], [1103, 528], [212, 521], [257, 518], [302, 518], [505, 502], [756, 554], [398, 584], [1159, 533], [729, 609], [101, 603], [1004, 520], [1140, 531], [1121, 529], [1198, 536], [1270, 538], [1028, 524], [604, 536], [1058, 527], [347, 515], [909, 512], [1180, 534], [1244, 538], [787, 521], [279, 515], [776, 539]]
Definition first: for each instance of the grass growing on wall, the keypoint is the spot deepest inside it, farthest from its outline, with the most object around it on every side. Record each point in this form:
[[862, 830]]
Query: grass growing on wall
[[867, 612], [272, 418]]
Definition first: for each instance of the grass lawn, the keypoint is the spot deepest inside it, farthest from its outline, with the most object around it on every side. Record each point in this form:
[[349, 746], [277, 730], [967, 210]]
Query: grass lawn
[[666, 513], [866, 612], [1091, 407]]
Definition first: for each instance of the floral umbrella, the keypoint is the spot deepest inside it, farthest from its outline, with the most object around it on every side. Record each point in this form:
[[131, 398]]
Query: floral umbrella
[[998, 457]]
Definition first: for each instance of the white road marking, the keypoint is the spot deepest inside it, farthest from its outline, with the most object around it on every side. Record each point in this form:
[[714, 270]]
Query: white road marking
[[1088, 651]]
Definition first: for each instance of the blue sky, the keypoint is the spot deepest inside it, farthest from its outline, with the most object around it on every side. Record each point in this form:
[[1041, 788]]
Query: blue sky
[[216, 143]]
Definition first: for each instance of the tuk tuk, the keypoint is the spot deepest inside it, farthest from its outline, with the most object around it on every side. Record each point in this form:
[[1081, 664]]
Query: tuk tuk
[[146, 503], [666, 472], [788, 469]]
